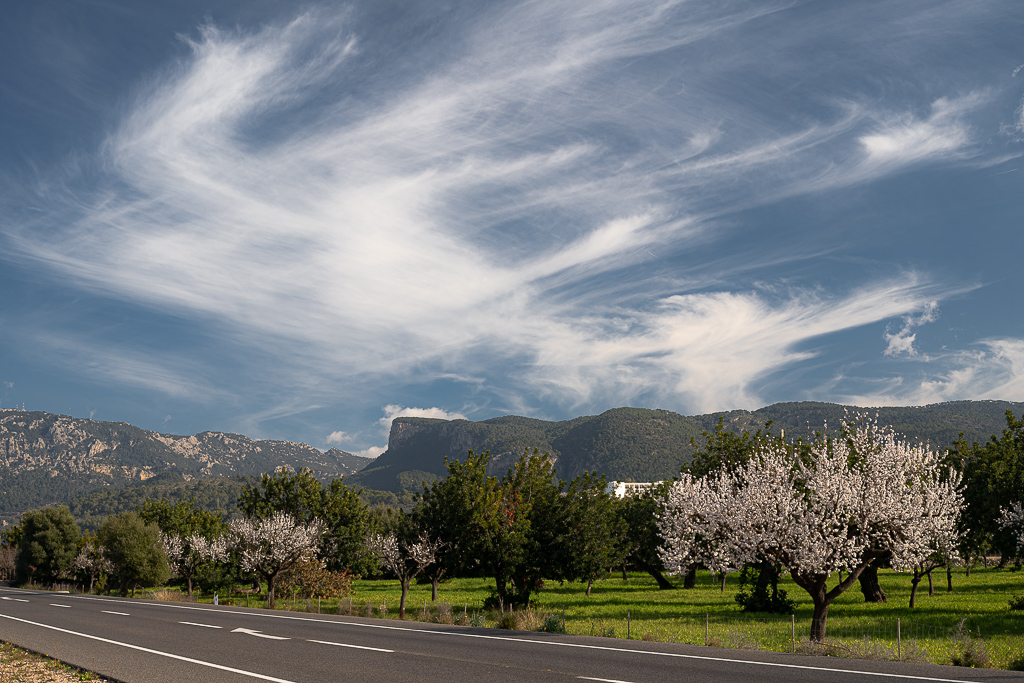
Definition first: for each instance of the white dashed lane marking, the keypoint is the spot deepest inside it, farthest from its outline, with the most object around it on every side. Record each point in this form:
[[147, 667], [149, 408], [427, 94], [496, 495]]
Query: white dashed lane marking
[[192, 623], [358, 647]]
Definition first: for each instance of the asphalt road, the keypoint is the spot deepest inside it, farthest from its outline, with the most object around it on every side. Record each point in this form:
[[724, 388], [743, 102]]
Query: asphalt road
[[140, 640]]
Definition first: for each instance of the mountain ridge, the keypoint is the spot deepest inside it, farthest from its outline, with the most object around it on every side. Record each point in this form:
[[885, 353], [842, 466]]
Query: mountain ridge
[[52, 459], [643, 444]]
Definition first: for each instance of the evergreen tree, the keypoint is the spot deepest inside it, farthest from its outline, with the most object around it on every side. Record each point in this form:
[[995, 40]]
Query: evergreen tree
[[135, 551], [48, 545]]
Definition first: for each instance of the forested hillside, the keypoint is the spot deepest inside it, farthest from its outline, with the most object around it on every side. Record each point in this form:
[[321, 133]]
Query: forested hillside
[[639, 444], [47, 459]]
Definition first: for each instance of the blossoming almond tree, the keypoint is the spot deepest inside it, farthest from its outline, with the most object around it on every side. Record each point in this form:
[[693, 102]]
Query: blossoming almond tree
[[1012, 519], [186, 553], [404, 559], [273, 545], [834, 505]]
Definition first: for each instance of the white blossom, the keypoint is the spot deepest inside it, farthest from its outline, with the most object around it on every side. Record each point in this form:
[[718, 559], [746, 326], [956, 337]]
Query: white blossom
[[275, 543], [395, 555], [838, 506], [186, 553], [1012, 518]]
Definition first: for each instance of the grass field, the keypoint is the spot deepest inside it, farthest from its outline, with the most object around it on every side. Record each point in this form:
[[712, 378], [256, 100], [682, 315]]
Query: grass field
[[638, 609], [705, 614]]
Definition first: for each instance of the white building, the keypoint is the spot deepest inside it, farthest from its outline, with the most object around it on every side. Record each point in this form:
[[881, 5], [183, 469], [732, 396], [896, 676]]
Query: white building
[[629, 488]]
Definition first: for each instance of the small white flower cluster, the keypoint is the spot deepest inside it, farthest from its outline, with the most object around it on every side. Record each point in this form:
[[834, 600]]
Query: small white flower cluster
[[1012, 518], [91, 559], [185, 553], [829, 509], [396, 556]]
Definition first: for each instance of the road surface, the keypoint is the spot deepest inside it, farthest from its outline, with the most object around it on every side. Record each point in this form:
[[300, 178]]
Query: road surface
[[136, 641]]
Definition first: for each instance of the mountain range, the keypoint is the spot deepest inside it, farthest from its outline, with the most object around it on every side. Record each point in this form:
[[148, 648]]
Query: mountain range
[[56, 459], [639, 444], [47, 458]]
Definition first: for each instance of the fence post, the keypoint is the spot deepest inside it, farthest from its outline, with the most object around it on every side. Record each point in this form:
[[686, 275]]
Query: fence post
[[627, 623], [563, 617], [793, 631], [899, 641], [706, 620]]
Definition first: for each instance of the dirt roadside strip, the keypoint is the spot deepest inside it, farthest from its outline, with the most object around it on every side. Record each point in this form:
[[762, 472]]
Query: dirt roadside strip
[[21, 666]]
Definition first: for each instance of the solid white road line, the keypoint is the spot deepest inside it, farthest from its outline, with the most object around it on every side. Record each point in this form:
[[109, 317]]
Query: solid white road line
[[53, 604], [123, 614], [192, 623], [604, 680], [358, 647], [551, 643], [152, 652]]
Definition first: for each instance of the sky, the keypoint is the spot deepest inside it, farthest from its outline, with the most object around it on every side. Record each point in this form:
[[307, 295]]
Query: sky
[[300, 221]]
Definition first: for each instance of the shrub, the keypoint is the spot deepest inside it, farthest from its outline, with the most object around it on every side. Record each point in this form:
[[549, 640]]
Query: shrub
[[553, 623], [1017, 602], [967, 649]]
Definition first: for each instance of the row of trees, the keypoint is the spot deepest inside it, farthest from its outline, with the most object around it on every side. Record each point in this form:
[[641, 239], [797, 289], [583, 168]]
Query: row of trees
[[843, 504]]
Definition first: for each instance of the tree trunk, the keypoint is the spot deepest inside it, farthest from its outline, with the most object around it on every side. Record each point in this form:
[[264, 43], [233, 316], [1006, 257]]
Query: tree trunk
[[590, 584], [913, 587], [819, 620], [724, 575], [270, 591], [401, 604], [433, 588], [690, 581], [931, 584], [189, 579], [869, 585], [663, 583], [624, 577]]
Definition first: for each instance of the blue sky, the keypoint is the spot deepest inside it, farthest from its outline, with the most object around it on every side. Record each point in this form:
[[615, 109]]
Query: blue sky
[[300, 221]]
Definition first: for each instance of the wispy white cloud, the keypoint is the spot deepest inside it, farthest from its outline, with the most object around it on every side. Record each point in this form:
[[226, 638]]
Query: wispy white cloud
[[901, 342], [904, 140], [457, 223], [992, 369]]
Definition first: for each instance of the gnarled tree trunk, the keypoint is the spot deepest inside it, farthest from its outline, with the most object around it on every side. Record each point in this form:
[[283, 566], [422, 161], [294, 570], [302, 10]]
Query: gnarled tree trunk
[[869, 585], [918, 575], [690, 580]]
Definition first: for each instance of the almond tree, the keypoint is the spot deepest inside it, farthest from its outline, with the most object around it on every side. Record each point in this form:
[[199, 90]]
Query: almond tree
[[91, 560], [186, 553], [405, 559], [1012, 519], [273, 545], [836, 505]]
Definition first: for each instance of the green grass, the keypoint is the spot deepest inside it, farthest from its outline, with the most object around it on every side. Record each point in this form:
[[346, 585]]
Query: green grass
[[679, 615], [855, 628]]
